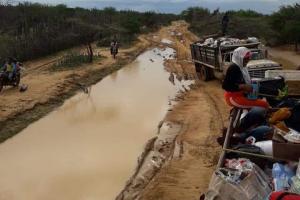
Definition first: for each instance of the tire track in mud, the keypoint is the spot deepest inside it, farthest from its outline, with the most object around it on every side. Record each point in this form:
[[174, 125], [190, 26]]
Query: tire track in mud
[[208, 148], [215, 112]]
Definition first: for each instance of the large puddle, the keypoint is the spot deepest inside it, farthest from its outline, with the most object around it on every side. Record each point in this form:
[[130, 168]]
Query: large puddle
[[88, 147]]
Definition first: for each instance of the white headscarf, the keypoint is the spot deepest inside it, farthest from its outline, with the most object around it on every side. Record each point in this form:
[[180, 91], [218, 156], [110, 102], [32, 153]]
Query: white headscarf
[[238, 59]]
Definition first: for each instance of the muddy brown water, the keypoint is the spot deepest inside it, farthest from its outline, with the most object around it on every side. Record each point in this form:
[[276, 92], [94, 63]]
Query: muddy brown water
[[88, 148]]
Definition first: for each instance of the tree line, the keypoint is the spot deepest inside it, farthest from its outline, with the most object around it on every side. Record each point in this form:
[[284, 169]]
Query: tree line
[[31, 30], [281, 27]]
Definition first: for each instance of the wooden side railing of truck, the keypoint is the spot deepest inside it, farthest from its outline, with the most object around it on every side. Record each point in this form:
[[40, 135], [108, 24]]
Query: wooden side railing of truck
[[208, 56]]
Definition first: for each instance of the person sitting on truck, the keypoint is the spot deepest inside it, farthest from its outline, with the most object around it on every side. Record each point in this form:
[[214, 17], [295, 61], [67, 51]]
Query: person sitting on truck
[[237, 82], [225, 21]]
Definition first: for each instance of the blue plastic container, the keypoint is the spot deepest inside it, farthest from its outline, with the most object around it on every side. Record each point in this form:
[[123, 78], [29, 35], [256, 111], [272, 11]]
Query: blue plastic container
[[254, 94]]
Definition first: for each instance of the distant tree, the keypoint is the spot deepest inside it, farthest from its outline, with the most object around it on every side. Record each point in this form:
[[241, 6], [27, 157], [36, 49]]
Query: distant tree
[[291, 31], [195, 13], [87, 34], [131, 24], [109, 13], [245, 13], [287, 23], [150, 19], [30, 30]]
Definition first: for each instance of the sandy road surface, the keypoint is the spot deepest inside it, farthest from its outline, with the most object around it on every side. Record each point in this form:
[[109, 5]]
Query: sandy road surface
[[289, 59]]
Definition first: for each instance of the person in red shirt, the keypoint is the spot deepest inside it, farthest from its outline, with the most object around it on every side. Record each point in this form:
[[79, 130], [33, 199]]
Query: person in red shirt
[[237, 82]]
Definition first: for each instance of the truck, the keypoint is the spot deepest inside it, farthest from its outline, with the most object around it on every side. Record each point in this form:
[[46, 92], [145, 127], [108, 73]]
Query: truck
[[213, 61]]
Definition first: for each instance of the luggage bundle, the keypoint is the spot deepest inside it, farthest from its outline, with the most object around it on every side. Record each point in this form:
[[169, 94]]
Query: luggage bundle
[[261, 151]]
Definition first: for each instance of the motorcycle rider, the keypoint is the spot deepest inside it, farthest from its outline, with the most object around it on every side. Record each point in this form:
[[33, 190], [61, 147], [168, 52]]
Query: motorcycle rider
[[9, 68]]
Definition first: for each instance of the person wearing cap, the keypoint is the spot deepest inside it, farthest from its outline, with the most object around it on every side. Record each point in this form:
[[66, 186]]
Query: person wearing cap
[[237, 82]]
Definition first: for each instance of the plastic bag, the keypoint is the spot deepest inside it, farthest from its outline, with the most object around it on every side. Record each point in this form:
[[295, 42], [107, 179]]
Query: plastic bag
[[241, 164], [266, 147], [282, 176], [253, 187], [295, 186], [292, 136], [208, 41]]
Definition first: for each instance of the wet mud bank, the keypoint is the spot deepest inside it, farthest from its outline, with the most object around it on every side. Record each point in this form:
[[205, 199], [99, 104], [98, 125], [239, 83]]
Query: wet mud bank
[[157, 152]]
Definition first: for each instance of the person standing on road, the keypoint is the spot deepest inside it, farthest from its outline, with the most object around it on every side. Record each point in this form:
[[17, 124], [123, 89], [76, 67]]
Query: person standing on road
[[225, 21], [237, 82], [114, 47]]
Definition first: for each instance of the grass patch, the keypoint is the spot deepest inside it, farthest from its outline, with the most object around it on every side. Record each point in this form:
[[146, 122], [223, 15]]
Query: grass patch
[[72, 60]]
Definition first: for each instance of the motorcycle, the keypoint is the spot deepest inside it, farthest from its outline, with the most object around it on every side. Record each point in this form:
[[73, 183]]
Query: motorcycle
[[4, 80]]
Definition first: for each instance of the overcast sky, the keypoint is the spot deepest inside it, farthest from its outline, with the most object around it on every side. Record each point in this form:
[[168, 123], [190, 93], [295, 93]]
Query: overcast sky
[[176, 6]]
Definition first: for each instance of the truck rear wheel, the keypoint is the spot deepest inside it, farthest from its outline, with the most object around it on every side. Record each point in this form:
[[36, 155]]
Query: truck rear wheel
[[211, 73], [205, 73]]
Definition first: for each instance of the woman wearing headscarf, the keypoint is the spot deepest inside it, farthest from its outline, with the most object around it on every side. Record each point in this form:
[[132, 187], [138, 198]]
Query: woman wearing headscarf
[[237, 82]]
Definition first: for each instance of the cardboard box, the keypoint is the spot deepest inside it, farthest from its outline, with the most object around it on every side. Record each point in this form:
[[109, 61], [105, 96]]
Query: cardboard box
[[285, 150]]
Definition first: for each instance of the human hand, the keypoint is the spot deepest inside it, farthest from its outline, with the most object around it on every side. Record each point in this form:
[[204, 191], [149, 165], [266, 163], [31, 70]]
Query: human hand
[[246, 88]]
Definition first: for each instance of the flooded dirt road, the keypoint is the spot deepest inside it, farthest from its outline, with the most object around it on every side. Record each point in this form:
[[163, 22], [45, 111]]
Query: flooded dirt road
[[88, 147]]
